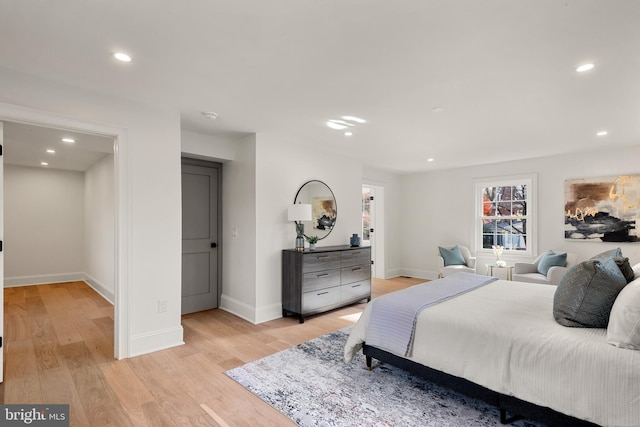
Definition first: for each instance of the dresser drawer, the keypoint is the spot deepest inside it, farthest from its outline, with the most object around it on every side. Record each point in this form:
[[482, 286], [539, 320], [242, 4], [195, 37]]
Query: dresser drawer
[[320, 261], [355, 257], [355, 291], [320, 298], [355, 273], [320, 279]]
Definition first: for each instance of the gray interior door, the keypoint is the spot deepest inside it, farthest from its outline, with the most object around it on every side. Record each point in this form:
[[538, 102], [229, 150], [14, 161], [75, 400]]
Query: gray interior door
[[199, 238]]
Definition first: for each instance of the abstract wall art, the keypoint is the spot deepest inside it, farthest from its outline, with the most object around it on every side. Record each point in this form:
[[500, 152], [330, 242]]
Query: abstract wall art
[[603, 209]]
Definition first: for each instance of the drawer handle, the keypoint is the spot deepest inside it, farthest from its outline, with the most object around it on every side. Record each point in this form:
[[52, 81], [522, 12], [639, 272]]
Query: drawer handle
[[355, 286], [356, 269], [322, 275], [322, 293], [323, 257]]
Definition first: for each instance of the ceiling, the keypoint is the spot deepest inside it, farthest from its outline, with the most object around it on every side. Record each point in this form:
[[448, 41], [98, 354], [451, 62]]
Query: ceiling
[[27, 145], [464, 82]]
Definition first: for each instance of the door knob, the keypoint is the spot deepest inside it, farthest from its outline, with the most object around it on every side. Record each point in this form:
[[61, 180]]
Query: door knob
[[214, 245]]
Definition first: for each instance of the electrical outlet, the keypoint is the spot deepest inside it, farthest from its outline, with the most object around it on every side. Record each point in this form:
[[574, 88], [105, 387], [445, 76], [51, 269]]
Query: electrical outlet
[[234, 232], [162, 306]]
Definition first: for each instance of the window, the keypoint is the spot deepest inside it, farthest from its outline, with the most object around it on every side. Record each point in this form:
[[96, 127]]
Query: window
[[505, 215]]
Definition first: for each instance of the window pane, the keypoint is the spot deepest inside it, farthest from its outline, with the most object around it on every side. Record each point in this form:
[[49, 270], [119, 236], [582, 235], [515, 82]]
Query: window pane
[[488, 209], [489, 194], [520, 192], [519, 208], [504, 208]]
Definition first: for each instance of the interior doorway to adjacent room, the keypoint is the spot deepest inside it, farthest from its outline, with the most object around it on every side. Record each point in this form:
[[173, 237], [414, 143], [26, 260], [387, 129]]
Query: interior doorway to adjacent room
[[373, 226]]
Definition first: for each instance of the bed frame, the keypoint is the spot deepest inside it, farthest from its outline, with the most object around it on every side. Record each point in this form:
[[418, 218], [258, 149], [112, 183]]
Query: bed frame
[[504, 403]]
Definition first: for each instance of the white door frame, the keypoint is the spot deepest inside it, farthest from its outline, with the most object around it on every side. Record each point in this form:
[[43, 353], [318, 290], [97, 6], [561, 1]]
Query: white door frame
[[14, 113]]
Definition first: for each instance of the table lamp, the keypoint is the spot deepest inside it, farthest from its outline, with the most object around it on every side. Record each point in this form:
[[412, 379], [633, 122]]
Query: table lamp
[[298, 213]]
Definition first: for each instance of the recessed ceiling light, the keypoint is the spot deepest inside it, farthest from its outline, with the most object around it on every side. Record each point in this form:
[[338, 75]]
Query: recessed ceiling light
[[50, 151], [333, 124], [354, 119], [122, 57], [602, 133], [68, 140], [430, 160], [348, 133], [437, 109], [44, 163], [585, 67]]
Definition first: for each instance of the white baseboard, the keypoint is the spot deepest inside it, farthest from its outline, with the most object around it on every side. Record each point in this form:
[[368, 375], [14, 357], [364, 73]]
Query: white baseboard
[[42, 279], [100, 288], [238, 308], [391, 273], [271, 312], [249, 313], [156, 340]]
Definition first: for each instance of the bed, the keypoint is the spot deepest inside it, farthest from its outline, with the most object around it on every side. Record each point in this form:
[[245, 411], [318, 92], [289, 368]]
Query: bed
[[502, 339]]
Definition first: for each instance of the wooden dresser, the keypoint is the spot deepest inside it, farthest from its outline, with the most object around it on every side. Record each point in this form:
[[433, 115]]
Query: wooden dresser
[[324, 279]]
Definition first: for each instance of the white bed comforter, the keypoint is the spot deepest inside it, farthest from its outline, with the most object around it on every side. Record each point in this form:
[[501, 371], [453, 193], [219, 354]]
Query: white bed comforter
[[503, 337]]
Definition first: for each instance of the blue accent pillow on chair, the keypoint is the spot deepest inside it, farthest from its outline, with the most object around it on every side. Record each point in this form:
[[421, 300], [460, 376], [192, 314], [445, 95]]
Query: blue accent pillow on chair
[[551, 259], [452, 256]]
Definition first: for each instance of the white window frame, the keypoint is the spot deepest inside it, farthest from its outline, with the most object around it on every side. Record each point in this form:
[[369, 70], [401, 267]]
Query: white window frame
[[531, 181]]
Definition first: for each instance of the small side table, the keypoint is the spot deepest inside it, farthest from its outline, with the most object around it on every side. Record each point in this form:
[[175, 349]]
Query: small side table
[[509, 269]]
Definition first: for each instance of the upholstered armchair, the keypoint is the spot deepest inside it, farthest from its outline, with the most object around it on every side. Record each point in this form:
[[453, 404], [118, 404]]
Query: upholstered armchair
[[534, 272], [455, 259]]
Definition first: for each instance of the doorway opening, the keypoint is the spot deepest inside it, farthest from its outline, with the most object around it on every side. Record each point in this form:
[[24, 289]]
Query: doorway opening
[[121, 218], [373, 226]]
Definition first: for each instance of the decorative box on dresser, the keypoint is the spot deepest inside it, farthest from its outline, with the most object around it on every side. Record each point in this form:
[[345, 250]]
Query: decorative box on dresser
[[324, 279]]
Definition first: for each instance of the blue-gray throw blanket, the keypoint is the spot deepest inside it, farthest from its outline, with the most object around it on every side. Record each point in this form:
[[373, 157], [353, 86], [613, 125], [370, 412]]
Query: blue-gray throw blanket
[[393, 317]]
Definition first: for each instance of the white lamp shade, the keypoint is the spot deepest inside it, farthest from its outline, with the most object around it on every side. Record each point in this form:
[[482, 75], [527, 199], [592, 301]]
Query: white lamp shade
[[299, 212]]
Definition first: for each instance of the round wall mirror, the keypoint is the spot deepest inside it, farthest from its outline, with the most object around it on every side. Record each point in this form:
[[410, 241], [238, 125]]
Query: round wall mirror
[[324, 210]]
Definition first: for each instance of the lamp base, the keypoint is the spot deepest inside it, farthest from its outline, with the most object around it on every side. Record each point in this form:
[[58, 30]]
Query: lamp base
[[300, 236]]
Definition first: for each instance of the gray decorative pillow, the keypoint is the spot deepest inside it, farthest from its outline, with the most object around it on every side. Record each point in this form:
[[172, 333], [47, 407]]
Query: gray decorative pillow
[[586, 293], [451, 256], [625, 268], [611, 253]]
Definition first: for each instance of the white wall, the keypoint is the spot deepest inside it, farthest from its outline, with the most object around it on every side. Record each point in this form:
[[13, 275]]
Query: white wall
[[99, 227], [282, 167], [438, 207], [149, 197], [43, 225], [207, 147], [239, 279]]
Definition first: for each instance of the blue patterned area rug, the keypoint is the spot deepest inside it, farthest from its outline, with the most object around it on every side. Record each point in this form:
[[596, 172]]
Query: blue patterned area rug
[[313, 386]]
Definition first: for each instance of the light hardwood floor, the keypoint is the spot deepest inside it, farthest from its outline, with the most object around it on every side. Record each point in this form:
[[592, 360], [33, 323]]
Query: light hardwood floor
[[59, 349]]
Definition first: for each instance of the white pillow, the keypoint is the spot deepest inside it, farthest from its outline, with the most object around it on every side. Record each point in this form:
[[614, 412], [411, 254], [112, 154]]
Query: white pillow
[[624, 323], [636, 271]]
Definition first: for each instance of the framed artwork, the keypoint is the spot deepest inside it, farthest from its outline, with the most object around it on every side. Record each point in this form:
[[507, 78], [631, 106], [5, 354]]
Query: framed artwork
[[603, 209], [323, 213]]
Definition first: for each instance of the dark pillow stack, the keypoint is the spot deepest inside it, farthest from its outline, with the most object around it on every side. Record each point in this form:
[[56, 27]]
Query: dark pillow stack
[[588, 290]]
